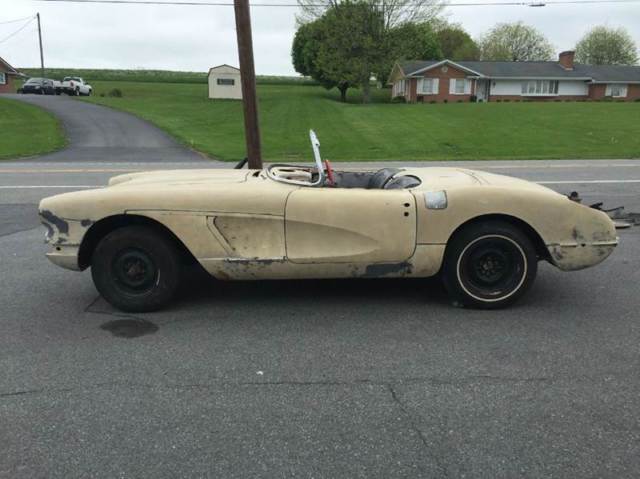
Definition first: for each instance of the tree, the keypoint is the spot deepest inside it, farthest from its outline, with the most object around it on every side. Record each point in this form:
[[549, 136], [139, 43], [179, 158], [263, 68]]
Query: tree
[[353, 45], [342, 48], [304, 55], [410, 41], [607, 46], [515, 42], [456, 43], [394, 12]]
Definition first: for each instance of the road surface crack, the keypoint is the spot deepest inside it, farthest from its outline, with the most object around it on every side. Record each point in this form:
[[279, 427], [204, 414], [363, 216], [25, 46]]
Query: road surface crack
[[414, 427]]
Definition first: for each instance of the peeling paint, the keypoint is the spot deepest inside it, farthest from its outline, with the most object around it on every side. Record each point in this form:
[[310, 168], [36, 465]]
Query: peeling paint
[[383, 269], [59, 223]]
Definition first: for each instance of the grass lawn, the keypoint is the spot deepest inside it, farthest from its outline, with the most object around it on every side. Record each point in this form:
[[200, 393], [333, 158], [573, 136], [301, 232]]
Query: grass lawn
[[27, 130], [382, 130]]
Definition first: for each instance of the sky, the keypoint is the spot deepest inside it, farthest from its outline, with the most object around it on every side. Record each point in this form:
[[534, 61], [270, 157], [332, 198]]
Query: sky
[[194, 38]]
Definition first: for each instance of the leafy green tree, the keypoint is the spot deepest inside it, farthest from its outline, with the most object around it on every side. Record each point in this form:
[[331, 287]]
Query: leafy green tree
[[515, 42], [343, 48], [607, 46], [410, 41], [456, 43], [353, 45], [304, 55]]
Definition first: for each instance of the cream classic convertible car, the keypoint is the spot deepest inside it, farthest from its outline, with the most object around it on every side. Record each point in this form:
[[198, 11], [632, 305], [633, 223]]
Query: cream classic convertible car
[[483, 233]]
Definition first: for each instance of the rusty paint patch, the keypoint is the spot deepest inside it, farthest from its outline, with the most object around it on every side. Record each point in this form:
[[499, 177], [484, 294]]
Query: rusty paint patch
[[383, 269]]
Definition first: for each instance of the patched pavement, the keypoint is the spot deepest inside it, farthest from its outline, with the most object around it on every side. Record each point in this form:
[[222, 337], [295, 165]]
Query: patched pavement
[[358, 378]]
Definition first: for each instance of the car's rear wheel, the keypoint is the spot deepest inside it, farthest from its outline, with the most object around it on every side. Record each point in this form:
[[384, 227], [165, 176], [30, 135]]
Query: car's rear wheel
[[489, 265], [137, 268]]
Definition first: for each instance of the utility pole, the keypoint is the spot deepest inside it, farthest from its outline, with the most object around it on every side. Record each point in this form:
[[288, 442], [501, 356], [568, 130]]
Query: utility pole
[[248, 82], [40, 39]]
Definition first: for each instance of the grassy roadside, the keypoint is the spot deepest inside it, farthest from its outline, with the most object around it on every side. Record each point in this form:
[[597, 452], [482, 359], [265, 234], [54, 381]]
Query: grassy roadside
[[27, 130], [382, 131]]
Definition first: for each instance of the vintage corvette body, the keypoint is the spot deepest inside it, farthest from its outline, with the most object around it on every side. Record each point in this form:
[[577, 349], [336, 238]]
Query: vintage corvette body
[[483, 232]]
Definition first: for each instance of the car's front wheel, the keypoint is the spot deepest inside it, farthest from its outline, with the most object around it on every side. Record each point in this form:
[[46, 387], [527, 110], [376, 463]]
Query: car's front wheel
[[489, 265], [137, 268]]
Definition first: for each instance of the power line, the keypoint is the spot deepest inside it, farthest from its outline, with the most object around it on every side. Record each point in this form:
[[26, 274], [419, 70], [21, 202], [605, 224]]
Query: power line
[[16, 20], [295, 5], [17, 31]]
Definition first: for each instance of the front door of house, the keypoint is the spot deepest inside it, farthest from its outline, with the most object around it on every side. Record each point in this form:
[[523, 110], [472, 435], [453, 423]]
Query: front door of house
[[482, 90]]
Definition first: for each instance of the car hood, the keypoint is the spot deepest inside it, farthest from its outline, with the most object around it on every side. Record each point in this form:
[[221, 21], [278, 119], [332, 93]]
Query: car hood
[[177, 177]]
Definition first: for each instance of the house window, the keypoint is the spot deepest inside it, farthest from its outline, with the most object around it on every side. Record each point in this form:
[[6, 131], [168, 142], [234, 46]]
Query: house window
[[616, 90], [399, 88], [458, 88], [3, 78], [428, 86], [226, 81], [540, 87]]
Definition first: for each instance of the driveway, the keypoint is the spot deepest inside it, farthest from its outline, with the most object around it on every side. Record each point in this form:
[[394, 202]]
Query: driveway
[[100, 134]]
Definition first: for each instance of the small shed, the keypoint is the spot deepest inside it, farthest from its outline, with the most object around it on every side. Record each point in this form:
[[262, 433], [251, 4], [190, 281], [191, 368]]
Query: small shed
[[224, 82], [7, 77]]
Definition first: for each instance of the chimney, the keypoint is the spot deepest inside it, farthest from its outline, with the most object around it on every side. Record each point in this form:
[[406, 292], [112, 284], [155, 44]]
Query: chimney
[[566, 59]]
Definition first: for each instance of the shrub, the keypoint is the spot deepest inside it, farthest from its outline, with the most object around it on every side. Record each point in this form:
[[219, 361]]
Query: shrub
[[507, 100], [473, 98], [115, 93], [499, 100], [637, 99], [399, 99], [459, 101], [433, 101], [446, 101]]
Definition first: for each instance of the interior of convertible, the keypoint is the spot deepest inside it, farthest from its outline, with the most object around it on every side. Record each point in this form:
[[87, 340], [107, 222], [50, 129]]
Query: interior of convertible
[[323, 174]]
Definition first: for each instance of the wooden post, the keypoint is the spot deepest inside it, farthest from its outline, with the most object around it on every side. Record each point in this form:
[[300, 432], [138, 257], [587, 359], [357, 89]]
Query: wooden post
[[248, 82], [40, 40]]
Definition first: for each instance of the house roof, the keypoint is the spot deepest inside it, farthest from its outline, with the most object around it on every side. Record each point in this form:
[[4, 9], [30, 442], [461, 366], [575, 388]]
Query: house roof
[[222, 66], [598, 73], [6, 68]]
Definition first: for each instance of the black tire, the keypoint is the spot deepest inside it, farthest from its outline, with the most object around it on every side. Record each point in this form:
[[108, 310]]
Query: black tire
[[137, 268], [489, 265]]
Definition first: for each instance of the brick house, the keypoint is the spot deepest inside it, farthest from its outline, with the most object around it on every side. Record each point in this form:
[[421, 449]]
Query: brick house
[[8, 75], [448, 81]]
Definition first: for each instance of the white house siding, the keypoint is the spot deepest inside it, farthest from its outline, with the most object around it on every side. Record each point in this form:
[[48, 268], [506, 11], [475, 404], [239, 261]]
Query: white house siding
[[225, 73], [506, 87], [573, 88], [514, 87]]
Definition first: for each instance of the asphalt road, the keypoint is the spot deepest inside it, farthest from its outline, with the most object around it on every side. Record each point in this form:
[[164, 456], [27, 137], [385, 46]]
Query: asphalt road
[[97, 133], [317, 379]]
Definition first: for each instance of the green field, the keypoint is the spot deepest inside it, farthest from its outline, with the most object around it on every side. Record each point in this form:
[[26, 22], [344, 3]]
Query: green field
[[27, 130], [382, 130], [92, 75]]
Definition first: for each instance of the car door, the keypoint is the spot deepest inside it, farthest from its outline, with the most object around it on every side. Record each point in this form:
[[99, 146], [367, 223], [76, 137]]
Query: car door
[[334, 225]]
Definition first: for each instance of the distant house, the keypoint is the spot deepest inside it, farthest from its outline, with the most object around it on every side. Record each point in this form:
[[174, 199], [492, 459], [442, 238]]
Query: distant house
[[445, 80], [224, 82], [8, 76]]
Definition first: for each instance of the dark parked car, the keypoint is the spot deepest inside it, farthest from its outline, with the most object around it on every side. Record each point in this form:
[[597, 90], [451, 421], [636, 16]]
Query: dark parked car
[[41, 86]]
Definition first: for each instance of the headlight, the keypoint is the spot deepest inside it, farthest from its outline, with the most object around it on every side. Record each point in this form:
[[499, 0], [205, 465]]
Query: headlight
[[435, 200]]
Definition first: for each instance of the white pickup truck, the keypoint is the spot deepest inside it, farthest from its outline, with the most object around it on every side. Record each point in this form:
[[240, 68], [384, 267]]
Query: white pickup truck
[[76, 86]]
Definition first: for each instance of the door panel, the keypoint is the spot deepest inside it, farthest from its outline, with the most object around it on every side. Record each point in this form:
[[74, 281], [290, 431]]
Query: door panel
[[331, 225]]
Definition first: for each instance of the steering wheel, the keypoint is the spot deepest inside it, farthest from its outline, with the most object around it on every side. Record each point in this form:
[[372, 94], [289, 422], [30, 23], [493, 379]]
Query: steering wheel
[[330, 178]]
